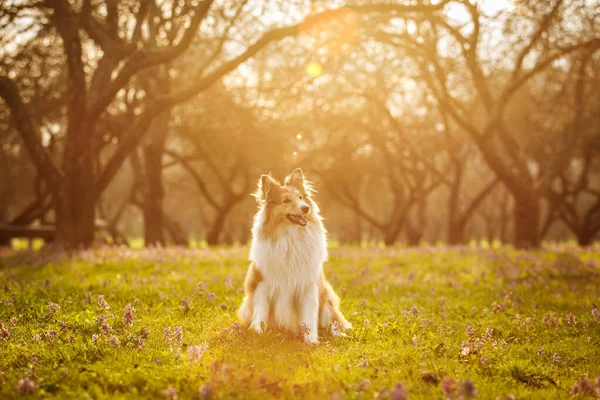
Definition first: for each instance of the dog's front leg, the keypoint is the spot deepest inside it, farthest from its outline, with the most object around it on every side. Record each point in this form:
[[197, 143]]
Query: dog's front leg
[[309, 313], [284, 313], [260, 315]]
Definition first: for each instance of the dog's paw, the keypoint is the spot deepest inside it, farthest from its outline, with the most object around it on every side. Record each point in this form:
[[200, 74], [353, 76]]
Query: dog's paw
[[258, 327], [337, 329], [311, 339]]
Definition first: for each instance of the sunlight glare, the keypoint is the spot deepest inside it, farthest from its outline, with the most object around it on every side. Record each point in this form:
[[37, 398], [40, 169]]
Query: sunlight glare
[[314, 69]]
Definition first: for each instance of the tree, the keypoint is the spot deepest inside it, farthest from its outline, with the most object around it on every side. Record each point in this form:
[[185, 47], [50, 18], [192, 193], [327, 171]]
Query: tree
[[490, 84], [105, 46]]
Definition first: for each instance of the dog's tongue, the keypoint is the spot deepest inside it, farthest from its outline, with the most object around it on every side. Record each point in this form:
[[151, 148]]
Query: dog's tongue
[[297, 219]]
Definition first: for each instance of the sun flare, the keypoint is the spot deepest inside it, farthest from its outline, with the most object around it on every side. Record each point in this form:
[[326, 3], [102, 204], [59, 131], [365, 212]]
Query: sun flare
[[314, 69]]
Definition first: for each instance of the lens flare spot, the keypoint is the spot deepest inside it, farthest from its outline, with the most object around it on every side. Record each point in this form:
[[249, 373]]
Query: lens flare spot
[[314, 69], [299, 136]]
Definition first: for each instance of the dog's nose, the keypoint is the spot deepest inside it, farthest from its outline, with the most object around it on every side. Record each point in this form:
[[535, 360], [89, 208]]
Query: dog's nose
[[305, 209]]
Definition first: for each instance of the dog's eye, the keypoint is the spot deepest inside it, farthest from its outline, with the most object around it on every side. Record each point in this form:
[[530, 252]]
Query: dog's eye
[[287, 201]]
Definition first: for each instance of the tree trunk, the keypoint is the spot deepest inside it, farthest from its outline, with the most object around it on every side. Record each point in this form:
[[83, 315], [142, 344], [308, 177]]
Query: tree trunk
[[413, 236], [153, 196], [526, 221], [75, 200], [456, 232], [212, 238], [152, 203], [75, 222], [584, 238], [390, 237], [178, 236]]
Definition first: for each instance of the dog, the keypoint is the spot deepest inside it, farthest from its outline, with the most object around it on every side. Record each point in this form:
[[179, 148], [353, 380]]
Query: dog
[[285, 285]]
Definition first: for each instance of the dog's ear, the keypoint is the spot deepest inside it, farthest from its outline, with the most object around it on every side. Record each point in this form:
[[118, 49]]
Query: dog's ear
[[266, 186], [296, 178]]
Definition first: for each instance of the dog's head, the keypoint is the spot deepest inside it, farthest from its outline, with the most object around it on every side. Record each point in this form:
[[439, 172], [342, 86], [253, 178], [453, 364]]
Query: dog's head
[[288, 203]]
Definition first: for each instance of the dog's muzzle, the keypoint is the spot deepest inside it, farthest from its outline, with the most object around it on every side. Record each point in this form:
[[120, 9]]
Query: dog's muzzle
[[297, 219]]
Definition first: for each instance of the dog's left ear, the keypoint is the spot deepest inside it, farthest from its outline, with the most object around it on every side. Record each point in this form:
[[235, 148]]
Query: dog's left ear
[[296, 179]]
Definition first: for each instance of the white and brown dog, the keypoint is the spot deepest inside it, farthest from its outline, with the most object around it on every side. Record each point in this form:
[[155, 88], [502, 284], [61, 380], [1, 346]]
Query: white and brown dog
[[285, 285]]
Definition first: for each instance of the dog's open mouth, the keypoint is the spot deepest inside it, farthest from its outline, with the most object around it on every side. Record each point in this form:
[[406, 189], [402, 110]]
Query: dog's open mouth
[[297, 219]]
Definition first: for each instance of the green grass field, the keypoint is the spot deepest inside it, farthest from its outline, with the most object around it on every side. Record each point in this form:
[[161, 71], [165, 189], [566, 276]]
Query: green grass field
[[442, 322]]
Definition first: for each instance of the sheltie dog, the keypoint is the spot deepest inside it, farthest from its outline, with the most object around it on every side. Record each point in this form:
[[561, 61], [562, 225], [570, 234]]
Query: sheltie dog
[[285, 285]]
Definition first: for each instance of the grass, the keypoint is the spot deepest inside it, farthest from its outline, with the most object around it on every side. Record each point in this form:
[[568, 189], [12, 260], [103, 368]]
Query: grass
[[512, 323]]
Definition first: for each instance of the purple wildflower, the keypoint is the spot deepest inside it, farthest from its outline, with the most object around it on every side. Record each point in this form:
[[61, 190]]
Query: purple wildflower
[[169, 393], [363, 385], [336, 329], [64, 326], [449, 387], [184, 305], [141, 344], [229, 282], [211, 296], [102, 303], [399, 393], [13, 322], [466, 348], [195, 353], [497, 308], [115, 342], [4, 333], [53, 307], [596, 313], [206, 391], [51, 335], [128, 315], [25, 386], [202, 286], [584, 387], [470, 331], [106, 328], [262, 381], [178, 334], [144, 333], [304, 332], [467, 390]]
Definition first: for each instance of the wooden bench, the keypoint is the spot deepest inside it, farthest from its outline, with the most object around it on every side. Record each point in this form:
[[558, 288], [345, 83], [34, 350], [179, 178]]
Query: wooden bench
[[9, 232]]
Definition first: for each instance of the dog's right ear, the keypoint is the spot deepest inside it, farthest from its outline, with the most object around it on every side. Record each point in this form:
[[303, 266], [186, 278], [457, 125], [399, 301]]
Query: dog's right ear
[[266, 186]]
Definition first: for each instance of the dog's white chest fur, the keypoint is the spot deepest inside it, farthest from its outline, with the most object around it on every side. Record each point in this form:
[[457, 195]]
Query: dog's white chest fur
[[294, 259]]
